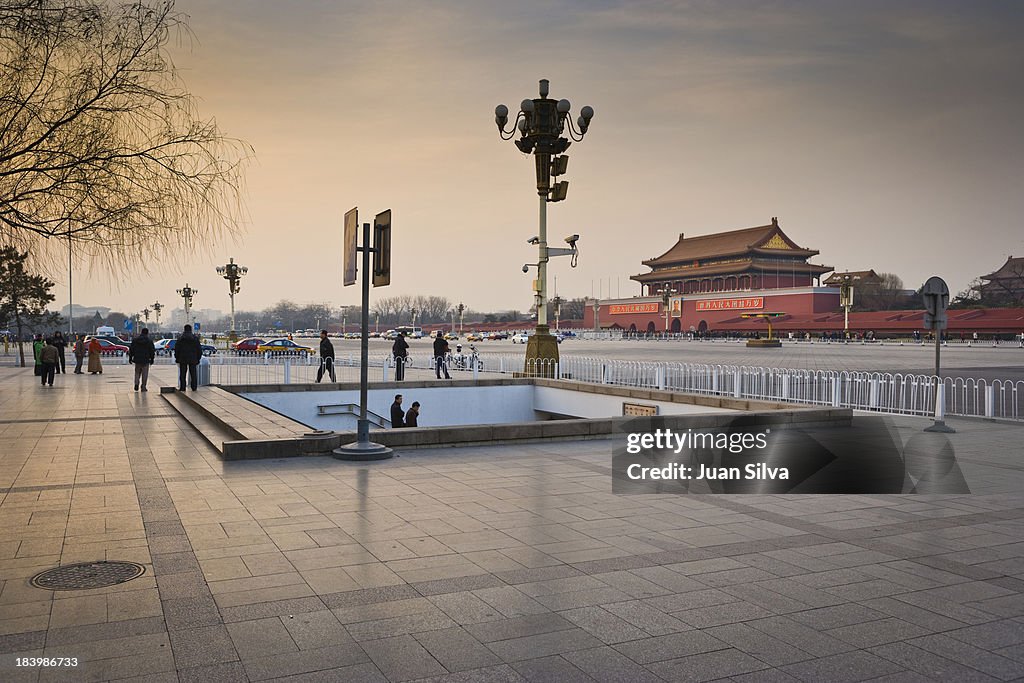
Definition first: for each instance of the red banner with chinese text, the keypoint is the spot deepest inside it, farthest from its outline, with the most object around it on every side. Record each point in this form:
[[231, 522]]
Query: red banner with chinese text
[[730, 304]]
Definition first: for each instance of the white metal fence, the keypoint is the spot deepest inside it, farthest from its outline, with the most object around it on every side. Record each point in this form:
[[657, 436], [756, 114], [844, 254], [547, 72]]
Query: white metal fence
[[899, 393]]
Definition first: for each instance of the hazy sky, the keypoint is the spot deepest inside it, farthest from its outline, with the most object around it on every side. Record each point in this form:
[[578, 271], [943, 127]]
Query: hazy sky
[[887, 135]]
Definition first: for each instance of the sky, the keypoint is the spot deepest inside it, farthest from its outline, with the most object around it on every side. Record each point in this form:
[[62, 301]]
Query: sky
[[886, 135]]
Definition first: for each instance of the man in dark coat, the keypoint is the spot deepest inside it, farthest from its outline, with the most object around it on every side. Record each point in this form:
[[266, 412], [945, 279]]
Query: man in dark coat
[[142, 353], [187, 354], [326, 358], [397, 414], [412, 415], [49, 360], [60, 343], [400, 350], [441, 355]]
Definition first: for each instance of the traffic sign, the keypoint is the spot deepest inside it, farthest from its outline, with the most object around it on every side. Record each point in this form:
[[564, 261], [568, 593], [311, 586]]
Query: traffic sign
[[349, 246], [128, 324], [936, 295], [936, 322]]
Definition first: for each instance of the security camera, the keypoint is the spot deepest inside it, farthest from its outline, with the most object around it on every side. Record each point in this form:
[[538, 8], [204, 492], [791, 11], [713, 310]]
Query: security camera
[[572, 239], [526, 268], [533, 240]]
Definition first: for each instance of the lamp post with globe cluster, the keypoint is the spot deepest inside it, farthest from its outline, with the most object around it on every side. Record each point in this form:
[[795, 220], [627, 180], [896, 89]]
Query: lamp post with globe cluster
[[232, 272], [187, 293], [540, 124]]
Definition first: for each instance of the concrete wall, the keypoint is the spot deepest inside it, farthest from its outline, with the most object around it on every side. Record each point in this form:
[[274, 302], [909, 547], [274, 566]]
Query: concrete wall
[[440, 406], [595, 405]]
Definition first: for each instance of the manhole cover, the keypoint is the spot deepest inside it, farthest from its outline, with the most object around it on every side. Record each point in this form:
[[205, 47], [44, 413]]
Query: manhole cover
[[86, 575]]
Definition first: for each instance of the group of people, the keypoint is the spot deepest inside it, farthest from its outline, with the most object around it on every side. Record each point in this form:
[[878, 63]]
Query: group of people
[[442, 354], [51, 360], [401, 418], [49, 356]]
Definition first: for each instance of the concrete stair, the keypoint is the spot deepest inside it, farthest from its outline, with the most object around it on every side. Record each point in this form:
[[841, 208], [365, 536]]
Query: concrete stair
[[212, 428]]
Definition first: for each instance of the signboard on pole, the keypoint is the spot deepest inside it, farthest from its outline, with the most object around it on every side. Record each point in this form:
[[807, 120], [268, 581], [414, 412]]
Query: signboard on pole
[[349, 246], [936, 299], [382, 249]]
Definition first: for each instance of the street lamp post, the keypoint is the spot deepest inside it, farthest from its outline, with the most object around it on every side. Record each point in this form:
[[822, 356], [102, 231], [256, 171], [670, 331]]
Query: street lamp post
[[666, 297], [376, 323], [846, 301], [541, 123], [157, 307], [462, 310], [414, 312], [232, 272], [187, 293], [597, 312], [145, 313], [556, 303]]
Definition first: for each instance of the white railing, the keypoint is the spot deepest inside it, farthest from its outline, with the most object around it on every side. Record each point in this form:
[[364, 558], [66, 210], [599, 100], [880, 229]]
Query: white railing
[[884, 392]]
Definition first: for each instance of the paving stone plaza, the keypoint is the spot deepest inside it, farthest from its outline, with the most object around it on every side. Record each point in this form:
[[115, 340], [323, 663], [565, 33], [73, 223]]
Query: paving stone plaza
[[483, 563]]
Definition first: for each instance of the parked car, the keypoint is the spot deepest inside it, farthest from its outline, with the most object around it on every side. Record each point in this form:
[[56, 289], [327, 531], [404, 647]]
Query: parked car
[[500, 334], [108, 347], [247, 345], [520, 338], [451, 336], [165, 347], [284, 347], [475, 337]]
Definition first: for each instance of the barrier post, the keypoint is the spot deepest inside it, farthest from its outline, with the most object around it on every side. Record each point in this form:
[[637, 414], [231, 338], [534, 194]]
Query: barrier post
[[737, 387], [873, 395], [990, 400], [837, 392], [287, 370], [940, 410]]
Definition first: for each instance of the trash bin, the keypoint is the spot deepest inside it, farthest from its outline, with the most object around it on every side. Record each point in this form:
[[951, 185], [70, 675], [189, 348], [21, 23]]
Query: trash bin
[[204, 371]]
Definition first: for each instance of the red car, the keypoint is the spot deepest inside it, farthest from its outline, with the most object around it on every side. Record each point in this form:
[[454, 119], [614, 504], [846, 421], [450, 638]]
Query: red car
[[247, 345], [107, 347]]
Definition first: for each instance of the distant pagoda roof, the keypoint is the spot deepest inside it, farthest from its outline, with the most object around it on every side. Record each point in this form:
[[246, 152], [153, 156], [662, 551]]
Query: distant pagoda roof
[[1013, 269], [764, 240], [729, 267]]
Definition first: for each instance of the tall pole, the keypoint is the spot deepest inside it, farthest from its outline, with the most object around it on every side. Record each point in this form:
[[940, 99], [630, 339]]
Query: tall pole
[[71, 299], [363, 448], [542, 259], [363, 429]]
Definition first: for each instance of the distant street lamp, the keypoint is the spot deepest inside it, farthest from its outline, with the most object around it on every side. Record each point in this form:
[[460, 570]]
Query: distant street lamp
[[145, 314], [666, 297], [232, 272], [846, 301], [187, 293], [541, 123], [376, 323], [462, 310], [414, 312], [157, 307], [556, 302], [597, 312]]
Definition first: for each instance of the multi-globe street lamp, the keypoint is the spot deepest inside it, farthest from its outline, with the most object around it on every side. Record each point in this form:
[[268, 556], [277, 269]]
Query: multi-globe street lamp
[[187, 293], [232, 272], [556, 303], [540, 124], [462, 310], [157, 307]]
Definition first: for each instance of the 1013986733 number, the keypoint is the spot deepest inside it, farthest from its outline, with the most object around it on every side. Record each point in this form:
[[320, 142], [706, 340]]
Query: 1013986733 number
[[46, 661]]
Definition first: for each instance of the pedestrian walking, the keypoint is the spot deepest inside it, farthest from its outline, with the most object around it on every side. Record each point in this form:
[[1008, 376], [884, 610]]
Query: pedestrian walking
[[79, 353], [142, 354], [61, 343], [95, 366], [326, 358], [37, 348], [187, 354], [397, 414], [400, 350], [441, 351], [49, 358], [412, 416]]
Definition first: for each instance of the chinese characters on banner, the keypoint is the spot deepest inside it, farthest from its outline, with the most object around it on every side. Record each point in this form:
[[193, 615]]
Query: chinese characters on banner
[[622, 309], [730, 304]]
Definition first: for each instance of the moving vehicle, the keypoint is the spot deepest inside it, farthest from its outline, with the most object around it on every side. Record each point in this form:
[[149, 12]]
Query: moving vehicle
[[108, 347], [247, 345], [451, 336], [475, 336], [521, 338], [284, 347], [410, 331]]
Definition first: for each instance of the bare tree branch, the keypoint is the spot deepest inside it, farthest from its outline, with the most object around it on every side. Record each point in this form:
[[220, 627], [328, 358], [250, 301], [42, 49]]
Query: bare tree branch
[[100, 142]]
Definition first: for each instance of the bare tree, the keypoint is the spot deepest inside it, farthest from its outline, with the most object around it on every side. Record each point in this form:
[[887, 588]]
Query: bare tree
[[100, 143]]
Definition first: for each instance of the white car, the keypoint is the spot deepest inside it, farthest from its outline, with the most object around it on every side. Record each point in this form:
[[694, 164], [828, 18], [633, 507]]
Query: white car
[[521, 338]]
